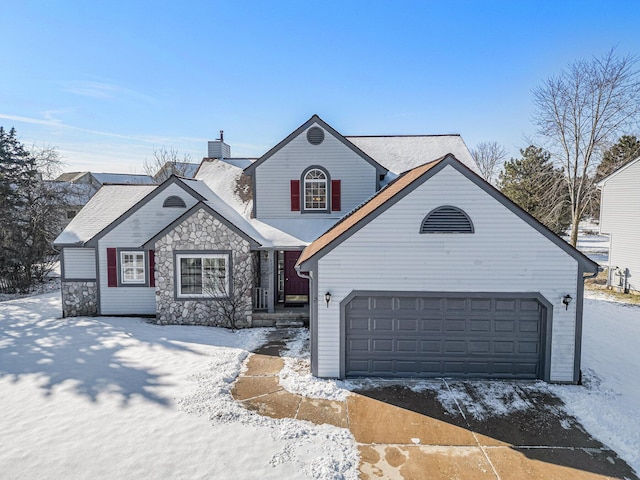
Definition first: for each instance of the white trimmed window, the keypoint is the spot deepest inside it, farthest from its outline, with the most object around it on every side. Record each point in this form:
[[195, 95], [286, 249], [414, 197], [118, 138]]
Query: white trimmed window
[[132, 268], [202, 275], [315, 190]]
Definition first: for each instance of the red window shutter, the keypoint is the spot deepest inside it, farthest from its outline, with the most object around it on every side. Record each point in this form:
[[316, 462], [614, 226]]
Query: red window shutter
[[112, 267], [152, 268], [295, 195], [335, 196]]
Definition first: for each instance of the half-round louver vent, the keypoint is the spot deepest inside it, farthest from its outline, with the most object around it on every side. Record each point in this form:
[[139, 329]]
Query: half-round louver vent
[[446, 219], [174, 201], [315, 135]]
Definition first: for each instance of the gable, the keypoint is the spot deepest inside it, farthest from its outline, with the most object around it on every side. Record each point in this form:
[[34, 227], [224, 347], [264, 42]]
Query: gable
[[312, 125], [393, 197], [142, 218]]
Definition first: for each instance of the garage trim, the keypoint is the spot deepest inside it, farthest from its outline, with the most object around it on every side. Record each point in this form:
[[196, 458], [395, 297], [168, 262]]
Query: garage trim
[[546, 330]]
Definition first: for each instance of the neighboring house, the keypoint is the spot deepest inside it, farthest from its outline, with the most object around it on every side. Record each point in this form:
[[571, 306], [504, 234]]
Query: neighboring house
[[440, 274], [237, 230], [181, 169], [620, 219], [81, 186]]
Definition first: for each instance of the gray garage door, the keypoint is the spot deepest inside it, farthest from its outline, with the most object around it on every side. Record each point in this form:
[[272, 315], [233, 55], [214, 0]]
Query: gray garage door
[[430, 336]]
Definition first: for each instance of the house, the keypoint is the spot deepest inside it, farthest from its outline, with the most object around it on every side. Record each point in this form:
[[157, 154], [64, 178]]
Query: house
[[81, 186], [184, 250], [440, 275], [620, 219]]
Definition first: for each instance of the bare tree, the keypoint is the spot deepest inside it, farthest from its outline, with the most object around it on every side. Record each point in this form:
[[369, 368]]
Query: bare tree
[[231, 291], [488, 156], [582, 111], [166, 162]]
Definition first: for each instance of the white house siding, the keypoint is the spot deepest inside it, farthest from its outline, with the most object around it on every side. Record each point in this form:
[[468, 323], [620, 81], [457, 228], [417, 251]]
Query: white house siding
[[620, 217], [132, 233], [272, 193], [79, 263], [503, 255]]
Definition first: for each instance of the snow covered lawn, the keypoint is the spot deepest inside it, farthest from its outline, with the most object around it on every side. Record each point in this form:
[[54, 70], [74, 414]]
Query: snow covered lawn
[[120, 398], [608, 405]]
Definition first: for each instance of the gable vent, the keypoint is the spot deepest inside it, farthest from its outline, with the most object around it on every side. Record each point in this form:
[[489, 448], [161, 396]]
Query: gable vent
[[446, 219], [174, 201], [315, 135]]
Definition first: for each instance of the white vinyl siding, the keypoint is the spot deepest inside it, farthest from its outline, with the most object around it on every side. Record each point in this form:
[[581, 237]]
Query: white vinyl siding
[[79, 263], [620, 217], [132, 233], [272, 195], [504, 254]]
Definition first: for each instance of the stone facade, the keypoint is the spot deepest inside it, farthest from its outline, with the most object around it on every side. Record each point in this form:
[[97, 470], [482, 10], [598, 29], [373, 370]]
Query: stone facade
[[202, 232], [79, 298]]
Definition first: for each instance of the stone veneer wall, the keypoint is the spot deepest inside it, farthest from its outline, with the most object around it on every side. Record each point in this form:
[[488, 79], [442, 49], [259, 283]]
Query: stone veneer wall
[[200, 232], [79, 298]]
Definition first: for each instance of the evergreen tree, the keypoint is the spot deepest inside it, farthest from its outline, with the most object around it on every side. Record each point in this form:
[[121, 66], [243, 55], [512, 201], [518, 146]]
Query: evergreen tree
[[627, 148], [29, 213], [538, 187]]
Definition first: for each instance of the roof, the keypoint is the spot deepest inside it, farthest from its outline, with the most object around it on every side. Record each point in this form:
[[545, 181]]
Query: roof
[[400, 153], [616, 172], [228, 182], [102, 178], [106, 206], [121, 178], [403, 185], [315, 119]]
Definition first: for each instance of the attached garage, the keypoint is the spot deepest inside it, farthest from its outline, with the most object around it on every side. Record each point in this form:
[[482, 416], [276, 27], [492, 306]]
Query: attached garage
[[479, 335], [440, 275]]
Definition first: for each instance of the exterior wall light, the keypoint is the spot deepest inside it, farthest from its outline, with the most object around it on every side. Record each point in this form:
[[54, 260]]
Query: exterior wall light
[[566, 300], [327, 298]]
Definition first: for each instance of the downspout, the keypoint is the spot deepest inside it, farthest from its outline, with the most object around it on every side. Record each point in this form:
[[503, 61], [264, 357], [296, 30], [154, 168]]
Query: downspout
[[313, 320]]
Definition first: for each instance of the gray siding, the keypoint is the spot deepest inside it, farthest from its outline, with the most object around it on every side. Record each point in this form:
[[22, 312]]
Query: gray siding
[[79, 263], [133, 232], [272, 178], [504, 254], [620, 218]]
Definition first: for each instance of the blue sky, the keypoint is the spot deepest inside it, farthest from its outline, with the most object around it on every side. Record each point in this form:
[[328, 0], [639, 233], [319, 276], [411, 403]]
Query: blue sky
[[107, 82]]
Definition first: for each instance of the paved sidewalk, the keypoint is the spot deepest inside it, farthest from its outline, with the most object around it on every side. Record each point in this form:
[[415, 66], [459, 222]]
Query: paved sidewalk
[[406, 435]]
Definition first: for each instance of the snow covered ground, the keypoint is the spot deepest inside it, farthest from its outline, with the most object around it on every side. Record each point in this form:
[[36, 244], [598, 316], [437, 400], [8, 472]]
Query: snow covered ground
[[120, 398]]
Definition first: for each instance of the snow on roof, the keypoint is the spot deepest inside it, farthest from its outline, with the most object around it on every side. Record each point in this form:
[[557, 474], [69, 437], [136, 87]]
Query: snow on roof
[[106, 206], [400, 153], [288, 232], [122, 178], [228, 182]]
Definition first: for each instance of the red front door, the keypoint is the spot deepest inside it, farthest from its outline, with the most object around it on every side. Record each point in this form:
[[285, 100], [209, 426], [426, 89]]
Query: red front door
[[296, 289]]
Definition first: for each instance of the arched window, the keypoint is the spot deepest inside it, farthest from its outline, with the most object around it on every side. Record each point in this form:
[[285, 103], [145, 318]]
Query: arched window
[[315, 189], [174, 201], [447, 219]]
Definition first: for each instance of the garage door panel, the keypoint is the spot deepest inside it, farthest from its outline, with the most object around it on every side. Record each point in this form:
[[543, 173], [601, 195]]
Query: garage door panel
[[358, 324], [431, 325], [429, 336], [407, 324], [407, 346], [383, 324]]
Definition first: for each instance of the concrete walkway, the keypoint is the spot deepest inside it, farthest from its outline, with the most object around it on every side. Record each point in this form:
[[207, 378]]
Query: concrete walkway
[[406, 435]]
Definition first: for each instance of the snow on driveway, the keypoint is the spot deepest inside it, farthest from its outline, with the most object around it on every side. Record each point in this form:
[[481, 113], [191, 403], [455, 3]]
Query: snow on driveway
[[120, 398]]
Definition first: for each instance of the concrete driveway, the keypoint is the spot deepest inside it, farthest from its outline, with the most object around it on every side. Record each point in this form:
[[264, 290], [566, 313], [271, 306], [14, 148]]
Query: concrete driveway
[[448, 430]]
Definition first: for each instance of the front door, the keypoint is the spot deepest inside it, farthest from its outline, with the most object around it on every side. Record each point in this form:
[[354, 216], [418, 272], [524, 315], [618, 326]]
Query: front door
[[296, 289]]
